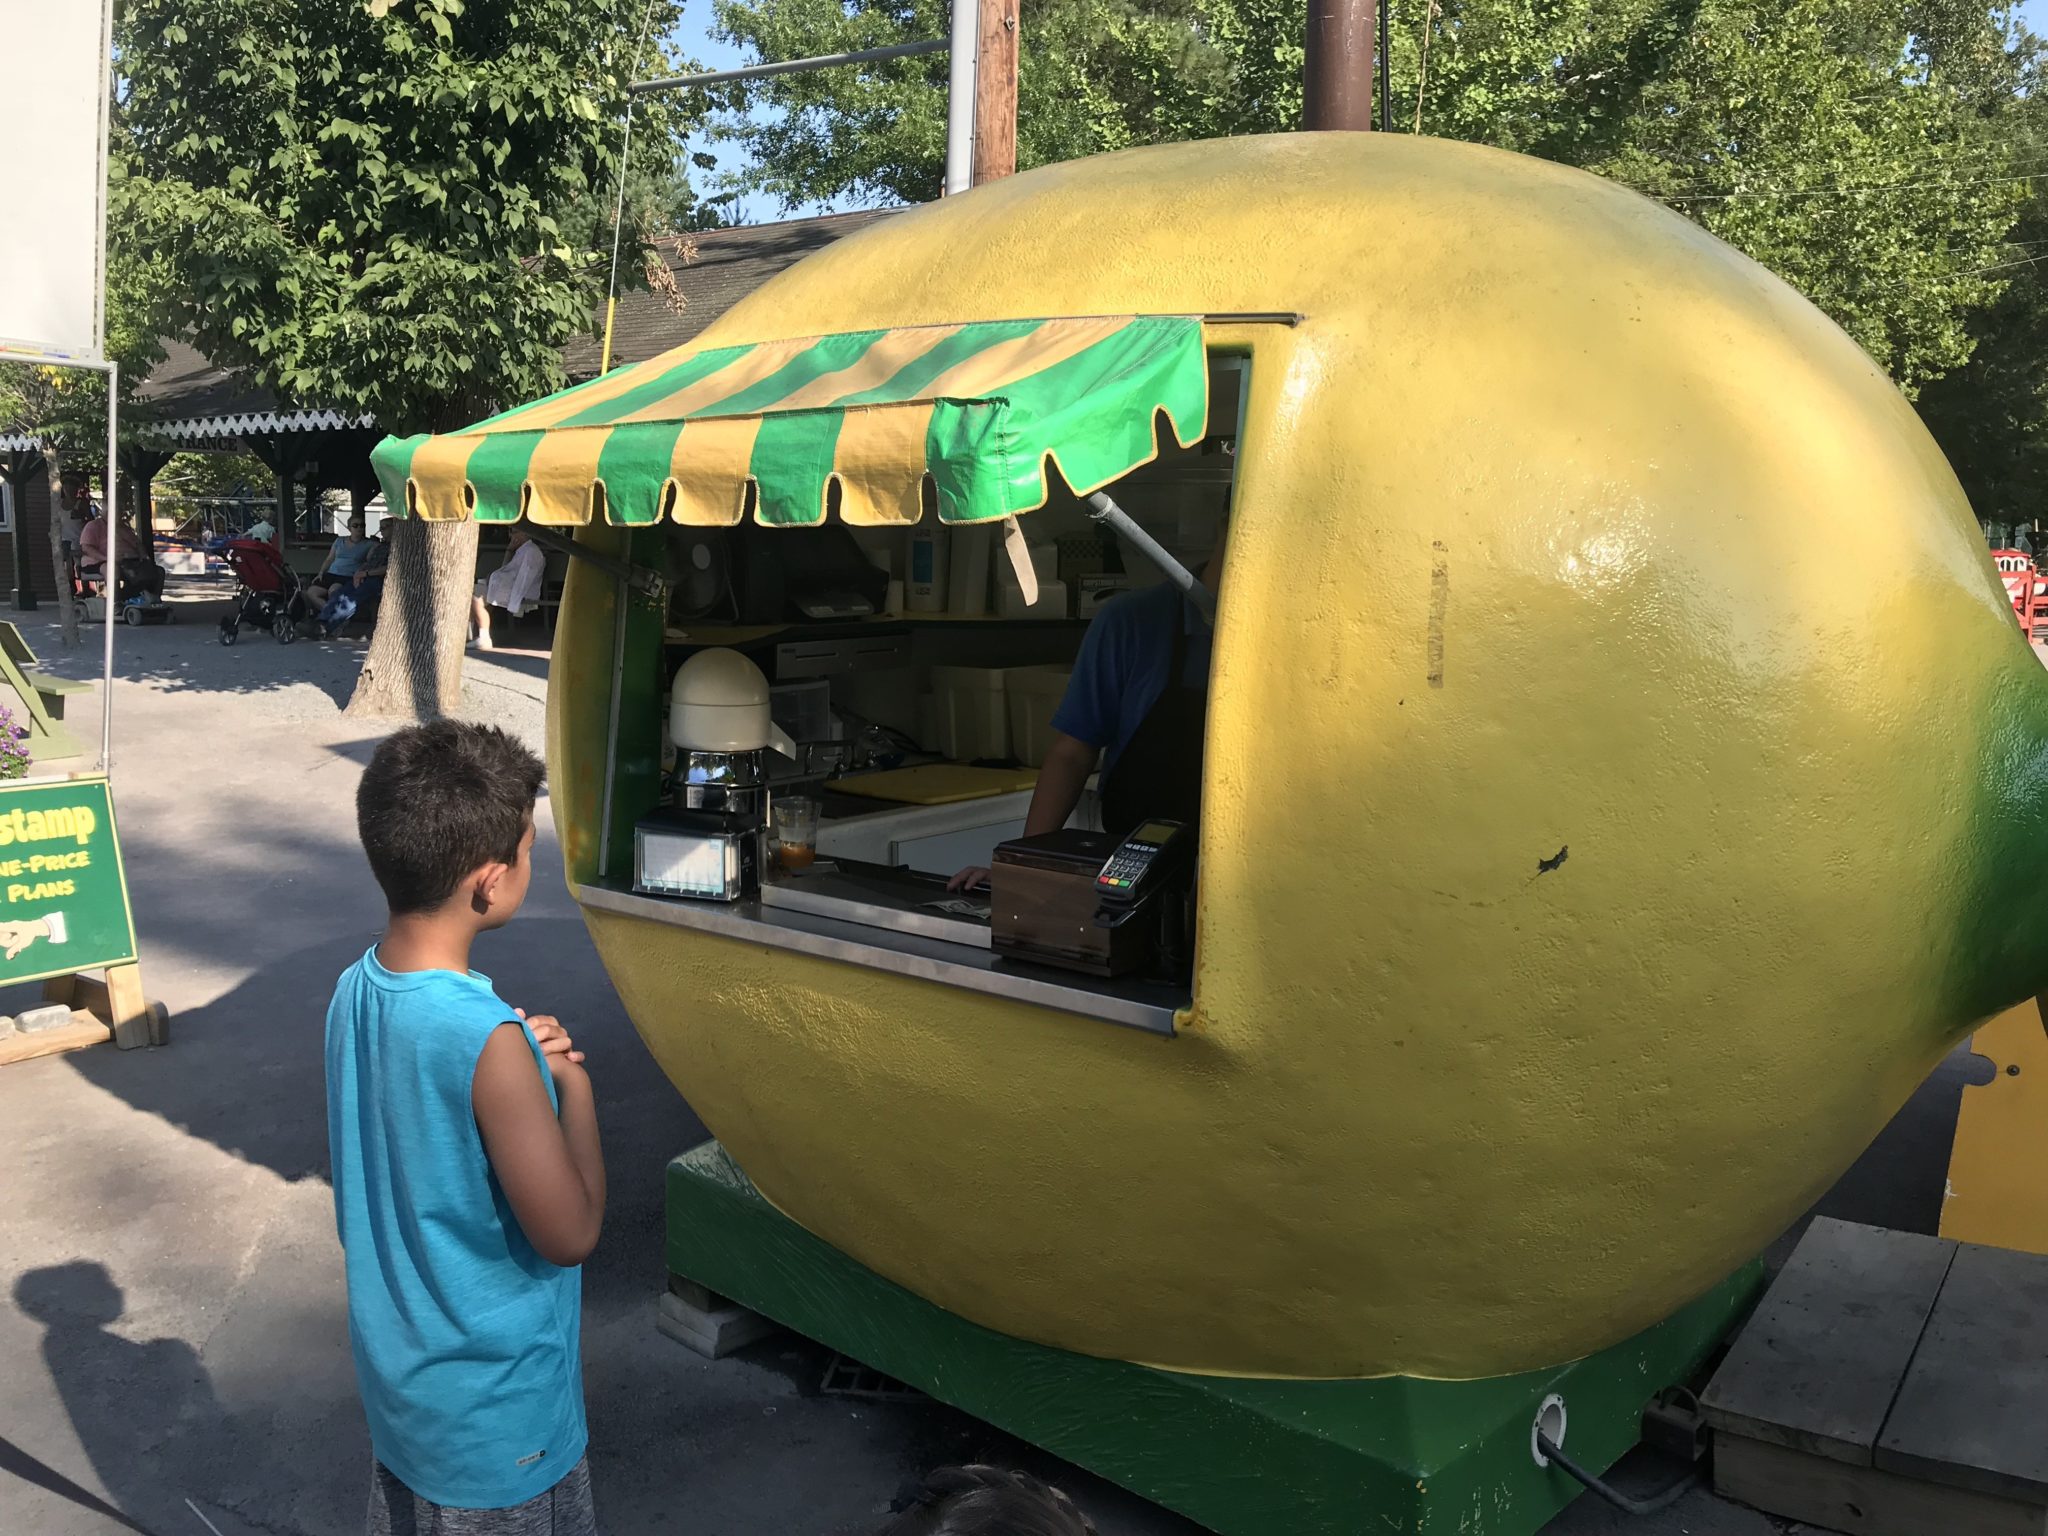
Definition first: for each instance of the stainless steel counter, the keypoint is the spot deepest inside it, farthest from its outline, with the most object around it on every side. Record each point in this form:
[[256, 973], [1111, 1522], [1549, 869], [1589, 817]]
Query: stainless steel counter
[[972, 968], [877, 897]]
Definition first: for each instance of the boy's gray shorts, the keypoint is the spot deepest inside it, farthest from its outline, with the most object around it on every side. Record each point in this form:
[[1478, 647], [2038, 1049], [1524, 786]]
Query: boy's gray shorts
[[564, 1510]]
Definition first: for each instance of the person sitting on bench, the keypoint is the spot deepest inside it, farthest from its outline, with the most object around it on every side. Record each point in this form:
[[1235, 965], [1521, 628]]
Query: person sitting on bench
[[346, 598], [513, 586]]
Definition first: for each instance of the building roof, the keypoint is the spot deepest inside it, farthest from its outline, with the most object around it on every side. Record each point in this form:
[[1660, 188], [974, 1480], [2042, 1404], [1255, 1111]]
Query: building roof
[[187, 383], [713, 271], [193, 400]]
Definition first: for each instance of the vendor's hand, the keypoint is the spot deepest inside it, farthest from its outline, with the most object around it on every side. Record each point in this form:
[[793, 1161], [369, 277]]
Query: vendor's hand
[[359, 578], [970, 877], [555, 1045]]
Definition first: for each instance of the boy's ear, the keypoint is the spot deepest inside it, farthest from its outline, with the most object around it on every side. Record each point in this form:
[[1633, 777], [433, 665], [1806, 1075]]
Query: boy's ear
[[483, 886]]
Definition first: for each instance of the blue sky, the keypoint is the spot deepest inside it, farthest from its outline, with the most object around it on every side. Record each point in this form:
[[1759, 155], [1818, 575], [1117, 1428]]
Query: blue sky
[[694, 37]]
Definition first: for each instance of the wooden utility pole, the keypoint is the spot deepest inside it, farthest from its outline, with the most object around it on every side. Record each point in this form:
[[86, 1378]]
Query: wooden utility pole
[[1336, 72], [995, 91]]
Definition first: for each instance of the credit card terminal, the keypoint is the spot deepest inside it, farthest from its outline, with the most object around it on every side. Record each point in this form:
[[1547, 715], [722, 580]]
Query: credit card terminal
[[1144, 862]]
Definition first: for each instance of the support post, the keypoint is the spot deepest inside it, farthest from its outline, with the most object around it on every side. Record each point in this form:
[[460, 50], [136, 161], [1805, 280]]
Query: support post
[[140, 498], [995, 91], [1337, 65], [141, 465], [287, 507], [21, 469], [110, 585], [960, 97]]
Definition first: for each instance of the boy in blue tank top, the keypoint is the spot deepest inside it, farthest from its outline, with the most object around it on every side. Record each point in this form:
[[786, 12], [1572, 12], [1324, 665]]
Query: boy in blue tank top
[[468, 1185]]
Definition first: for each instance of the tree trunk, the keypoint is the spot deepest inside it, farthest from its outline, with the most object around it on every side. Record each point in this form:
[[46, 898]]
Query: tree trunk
[[414, 669], [60, 518]]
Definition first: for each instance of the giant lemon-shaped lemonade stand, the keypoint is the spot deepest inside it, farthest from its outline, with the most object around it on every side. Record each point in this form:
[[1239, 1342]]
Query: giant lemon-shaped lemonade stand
[[1623, 782]]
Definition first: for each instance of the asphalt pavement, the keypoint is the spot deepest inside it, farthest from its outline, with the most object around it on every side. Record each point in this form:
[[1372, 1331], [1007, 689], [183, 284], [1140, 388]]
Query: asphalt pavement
[[171, 1316]]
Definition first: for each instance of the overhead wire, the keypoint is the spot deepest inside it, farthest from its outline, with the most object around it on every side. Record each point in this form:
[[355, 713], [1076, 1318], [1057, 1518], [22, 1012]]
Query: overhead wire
[[2034, 174], [1955, 154], [611, 296], [2003, 266]]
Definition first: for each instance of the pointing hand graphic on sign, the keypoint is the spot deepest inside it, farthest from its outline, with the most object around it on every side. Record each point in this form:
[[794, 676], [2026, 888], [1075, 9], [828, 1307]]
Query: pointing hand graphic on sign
[[17, 936]]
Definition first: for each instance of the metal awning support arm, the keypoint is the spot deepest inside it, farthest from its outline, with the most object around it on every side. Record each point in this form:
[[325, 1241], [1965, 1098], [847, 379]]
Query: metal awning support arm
[[649, 584], [1107, 512]]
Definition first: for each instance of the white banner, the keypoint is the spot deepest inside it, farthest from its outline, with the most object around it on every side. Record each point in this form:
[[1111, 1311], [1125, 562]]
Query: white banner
[[53, 121]]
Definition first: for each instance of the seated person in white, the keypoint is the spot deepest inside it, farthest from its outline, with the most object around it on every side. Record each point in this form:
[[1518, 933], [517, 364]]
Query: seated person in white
[[513, 586]]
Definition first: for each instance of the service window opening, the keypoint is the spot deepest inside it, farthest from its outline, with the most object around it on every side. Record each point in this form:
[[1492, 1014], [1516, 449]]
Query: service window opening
[[921, 710]]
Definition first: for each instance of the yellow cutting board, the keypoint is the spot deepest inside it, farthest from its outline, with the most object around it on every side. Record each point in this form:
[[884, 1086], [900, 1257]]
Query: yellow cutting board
[[938, 783]]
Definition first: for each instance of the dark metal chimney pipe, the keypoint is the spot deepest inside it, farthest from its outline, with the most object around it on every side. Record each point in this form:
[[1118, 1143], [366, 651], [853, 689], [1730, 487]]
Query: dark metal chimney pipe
[[1338, 67]]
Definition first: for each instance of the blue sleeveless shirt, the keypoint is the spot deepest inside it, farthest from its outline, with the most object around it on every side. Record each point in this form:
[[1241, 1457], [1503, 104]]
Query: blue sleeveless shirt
[[467, 1342]]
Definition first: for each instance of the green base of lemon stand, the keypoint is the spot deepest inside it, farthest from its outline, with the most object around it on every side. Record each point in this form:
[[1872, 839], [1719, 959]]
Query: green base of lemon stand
[[1244, 1458]]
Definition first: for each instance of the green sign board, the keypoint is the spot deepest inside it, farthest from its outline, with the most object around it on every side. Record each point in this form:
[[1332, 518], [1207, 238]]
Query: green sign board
[[65, 904]]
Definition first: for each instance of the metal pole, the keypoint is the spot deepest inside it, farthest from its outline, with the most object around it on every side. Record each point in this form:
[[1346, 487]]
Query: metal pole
[[960, 96], [611, 292], [1103, 510], [1386, 72], [1336, 70], [621, 595], [789, 67], [110, 568]]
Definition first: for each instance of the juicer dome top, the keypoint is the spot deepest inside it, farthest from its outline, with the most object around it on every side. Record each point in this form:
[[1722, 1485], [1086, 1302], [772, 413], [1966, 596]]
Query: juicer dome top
[[720, 679]]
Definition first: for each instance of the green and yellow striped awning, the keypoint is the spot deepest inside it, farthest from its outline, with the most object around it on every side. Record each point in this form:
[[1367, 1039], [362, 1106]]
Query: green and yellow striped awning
[[697, 433]]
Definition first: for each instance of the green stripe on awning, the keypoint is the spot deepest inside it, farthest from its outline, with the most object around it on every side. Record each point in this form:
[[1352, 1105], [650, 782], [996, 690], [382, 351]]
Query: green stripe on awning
[[977, 408]]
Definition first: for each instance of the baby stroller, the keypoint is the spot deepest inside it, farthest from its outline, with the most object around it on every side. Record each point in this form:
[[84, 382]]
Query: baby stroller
[[267, 592]]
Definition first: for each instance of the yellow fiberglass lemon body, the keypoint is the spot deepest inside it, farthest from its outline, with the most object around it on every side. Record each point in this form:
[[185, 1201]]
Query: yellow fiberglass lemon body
[[1624, 782]]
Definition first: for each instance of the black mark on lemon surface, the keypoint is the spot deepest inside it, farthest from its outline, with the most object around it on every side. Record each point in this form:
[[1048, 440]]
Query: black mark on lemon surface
[[1545, 866], [1439, 610]]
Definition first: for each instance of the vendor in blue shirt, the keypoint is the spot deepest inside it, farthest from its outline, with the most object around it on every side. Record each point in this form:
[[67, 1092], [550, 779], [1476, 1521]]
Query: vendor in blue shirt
[[1137, 700]]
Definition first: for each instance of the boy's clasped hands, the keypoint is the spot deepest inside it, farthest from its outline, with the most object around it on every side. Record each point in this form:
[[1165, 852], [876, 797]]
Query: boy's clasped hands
[[556, 1048]]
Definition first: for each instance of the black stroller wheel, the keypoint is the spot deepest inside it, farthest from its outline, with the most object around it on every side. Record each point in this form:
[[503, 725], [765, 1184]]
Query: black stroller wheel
[[230, 631], [285, 628]]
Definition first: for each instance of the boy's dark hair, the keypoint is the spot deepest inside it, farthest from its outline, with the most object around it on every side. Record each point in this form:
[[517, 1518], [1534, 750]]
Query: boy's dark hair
[[440, 800], [989, 1501]]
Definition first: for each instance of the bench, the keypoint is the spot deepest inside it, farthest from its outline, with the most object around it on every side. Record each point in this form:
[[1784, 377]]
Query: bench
[[551, 584], [41, 696]]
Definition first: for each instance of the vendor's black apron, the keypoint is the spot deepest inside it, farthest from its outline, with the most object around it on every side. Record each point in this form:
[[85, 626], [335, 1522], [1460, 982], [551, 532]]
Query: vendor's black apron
[[1159, 772]]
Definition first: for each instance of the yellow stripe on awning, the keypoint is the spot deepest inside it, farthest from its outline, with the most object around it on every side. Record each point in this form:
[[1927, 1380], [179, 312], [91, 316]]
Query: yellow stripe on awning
[[977, 409]]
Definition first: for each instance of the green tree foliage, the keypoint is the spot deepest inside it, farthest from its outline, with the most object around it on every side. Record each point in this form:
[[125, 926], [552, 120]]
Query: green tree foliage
[[399, 207], [1854, 146], [1991, 415], [382, 205]]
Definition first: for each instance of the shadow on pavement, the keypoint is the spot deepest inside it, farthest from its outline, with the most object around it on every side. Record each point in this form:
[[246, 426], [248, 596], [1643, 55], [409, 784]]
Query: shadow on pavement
[[533, 664], [160, 1397], [186, 656], [246, 1072]]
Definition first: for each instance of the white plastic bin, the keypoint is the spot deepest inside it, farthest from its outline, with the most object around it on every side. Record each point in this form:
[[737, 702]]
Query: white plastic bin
[[971, 712], [1034, 693]]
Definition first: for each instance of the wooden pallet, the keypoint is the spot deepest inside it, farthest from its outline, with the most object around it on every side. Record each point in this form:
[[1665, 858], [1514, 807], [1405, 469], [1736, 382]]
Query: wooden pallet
[[113, 1009], [1891, 1384]]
